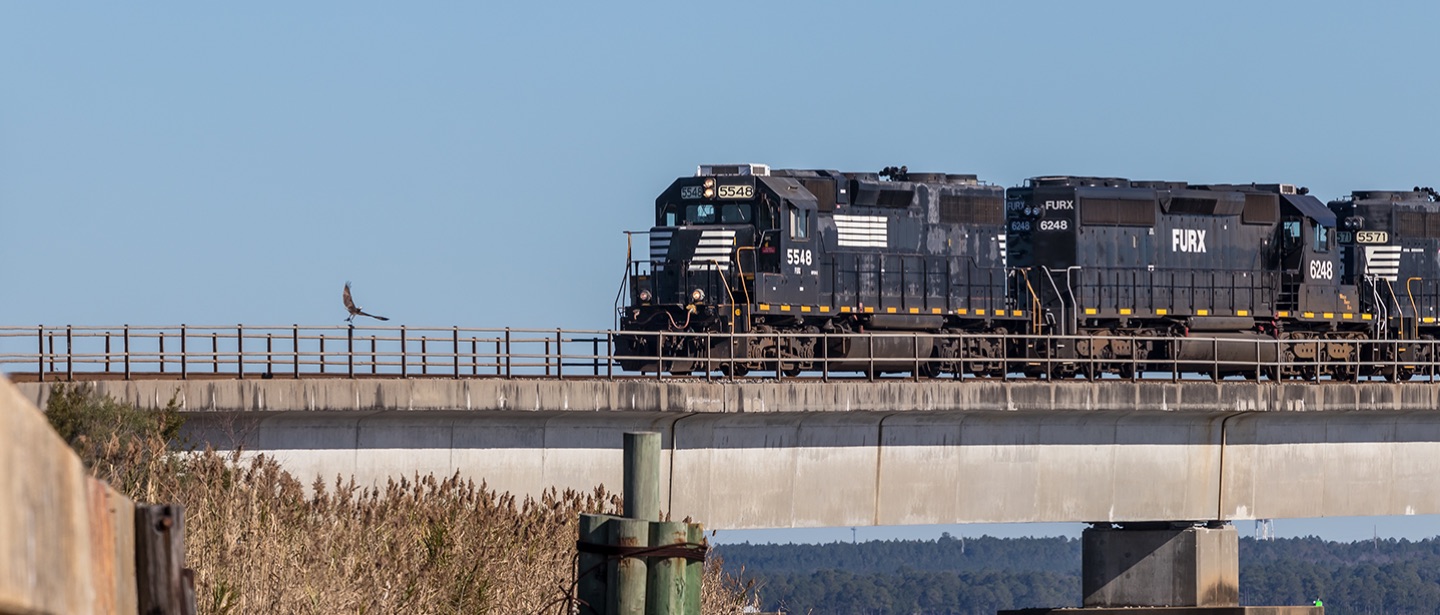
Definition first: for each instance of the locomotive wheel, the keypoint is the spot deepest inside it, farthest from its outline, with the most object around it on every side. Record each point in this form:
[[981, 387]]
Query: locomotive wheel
[[1128, 370], [790, 370]]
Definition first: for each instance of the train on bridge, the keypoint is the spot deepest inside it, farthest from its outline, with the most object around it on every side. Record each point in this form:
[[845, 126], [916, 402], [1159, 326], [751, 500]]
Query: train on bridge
[[751, 268]]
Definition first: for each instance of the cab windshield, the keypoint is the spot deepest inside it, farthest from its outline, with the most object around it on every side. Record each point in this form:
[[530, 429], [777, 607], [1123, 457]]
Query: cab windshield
[[706, 213]]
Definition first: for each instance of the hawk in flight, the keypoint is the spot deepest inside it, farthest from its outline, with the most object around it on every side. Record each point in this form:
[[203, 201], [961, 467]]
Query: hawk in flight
[[355, 310]]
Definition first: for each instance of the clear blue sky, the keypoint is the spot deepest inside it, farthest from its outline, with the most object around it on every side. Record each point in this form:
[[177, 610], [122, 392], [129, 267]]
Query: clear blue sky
[[474, 164]]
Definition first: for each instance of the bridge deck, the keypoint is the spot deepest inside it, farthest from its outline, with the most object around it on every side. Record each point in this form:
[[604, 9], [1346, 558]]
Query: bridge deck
[[898, 395]]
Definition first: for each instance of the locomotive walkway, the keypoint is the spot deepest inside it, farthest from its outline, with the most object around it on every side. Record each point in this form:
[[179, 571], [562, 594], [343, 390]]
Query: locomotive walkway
[[764, 453]]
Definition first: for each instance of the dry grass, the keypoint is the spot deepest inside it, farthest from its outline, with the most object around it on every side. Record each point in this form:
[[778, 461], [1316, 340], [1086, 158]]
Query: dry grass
[[260, 543]]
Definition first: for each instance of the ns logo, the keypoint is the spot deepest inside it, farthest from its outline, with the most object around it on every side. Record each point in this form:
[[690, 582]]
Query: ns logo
[[1187, 240]]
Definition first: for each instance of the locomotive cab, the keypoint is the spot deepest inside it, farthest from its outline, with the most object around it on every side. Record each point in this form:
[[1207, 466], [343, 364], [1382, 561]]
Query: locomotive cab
[[1312, 283], [725, 240]]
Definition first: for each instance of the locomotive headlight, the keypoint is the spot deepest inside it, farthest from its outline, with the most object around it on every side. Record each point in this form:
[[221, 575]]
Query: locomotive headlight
[[709, 192], [645, 295], [709, 182], [697, 295]]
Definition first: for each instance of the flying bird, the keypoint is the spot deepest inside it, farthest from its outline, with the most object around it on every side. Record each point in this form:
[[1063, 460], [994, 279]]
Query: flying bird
[[355, 310]]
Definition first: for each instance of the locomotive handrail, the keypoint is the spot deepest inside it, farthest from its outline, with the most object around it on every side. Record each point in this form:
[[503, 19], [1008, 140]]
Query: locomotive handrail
[[744, 288], [1414, 311], [1034, 299]]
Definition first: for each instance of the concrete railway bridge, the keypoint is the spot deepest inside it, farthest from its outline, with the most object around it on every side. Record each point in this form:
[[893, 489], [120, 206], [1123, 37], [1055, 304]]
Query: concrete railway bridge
[[529, 410], [816, 452]]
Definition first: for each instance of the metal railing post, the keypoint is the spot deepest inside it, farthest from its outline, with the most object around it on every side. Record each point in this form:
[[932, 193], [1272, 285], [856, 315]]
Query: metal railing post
[[1215, 361], [350, 351], [40, 351], [270, 354], [559, 355], [870, 343], [107, 352], [915, 350], [424, 355], [240, 351], [321, 355], [610, 355], [184, 359], [295, 349], [126, 330], [69, 354], [404, 358], [374, 357], [595, 354], [162, 351], [779, 363], [824, 357], [455, 346]]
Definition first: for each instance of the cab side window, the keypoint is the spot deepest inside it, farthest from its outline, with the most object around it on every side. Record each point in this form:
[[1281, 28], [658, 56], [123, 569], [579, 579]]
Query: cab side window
[[1322, 238], [1290, 234], [799, 223]]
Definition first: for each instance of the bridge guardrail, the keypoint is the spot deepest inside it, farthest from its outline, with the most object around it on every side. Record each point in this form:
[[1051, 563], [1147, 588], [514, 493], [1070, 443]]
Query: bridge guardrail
[[67, 353]]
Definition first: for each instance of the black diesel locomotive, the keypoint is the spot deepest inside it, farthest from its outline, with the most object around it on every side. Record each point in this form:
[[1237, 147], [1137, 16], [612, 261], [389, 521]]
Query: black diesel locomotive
[[1064, 275]]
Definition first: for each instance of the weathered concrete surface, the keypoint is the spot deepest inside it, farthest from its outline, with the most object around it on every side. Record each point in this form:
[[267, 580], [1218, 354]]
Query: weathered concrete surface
[[829, 469], [1333, 464], [1193, 566], [801, 396], [66, 539]]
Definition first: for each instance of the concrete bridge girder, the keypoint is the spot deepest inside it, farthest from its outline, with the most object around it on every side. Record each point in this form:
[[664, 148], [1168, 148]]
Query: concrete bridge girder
[[816, 470], [944, 452]]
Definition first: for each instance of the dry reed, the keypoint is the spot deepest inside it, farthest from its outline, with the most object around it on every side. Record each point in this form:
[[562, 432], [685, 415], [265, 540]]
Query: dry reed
[[261, 543]]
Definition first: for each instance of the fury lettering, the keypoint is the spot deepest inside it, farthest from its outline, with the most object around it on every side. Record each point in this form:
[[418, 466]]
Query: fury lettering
[[1187, 240]]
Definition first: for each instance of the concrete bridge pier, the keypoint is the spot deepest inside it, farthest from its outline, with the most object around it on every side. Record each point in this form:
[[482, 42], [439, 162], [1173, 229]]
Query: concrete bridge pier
[[1160, 564], [1176, 568]]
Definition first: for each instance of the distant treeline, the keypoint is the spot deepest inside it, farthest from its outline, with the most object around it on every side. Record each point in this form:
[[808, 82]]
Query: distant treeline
[[978, 576]]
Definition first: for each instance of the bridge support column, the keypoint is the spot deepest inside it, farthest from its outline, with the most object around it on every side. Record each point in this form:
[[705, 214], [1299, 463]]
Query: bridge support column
[[1172, 568], [1160, 565]]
